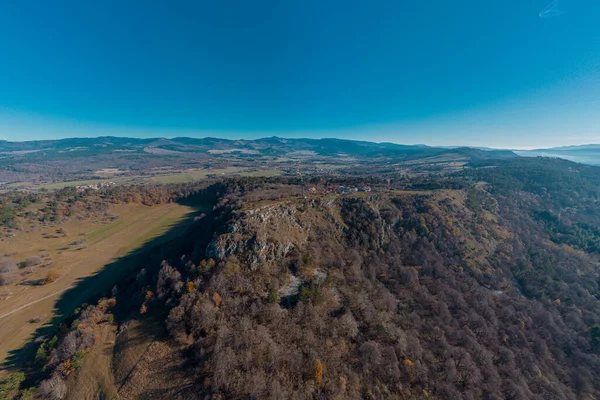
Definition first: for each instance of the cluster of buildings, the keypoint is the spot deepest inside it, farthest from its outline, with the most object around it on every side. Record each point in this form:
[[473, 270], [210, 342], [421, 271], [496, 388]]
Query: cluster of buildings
[[94, 186], [353, 189]]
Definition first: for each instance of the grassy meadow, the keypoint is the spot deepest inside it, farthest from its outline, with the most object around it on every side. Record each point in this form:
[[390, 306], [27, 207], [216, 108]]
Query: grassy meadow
[[81, 250]]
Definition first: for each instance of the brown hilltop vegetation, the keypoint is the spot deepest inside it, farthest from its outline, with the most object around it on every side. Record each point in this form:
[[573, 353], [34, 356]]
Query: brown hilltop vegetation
[[467, 292], [407, 296]]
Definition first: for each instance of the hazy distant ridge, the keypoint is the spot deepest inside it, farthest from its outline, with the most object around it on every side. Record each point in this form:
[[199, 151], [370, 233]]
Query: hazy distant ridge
[[585, 154]]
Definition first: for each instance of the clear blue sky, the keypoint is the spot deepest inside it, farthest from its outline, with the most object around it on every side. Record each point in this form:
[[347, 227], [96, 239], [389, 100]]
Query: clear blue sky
[[441, 72]]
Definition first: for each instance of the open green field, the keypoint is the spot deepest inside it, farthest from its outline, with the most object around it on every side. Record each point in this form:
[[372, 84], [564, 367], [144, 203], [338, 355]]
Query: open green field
[[265, 173], [178, 177], [102, 246], [330, 166], [189, 176]]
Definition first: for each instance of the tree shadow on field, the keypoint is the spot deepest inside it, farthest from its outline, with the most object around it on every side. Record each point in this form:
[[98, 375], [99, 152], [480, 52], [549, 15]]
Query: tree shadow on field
[[32, 282], [178, 239]]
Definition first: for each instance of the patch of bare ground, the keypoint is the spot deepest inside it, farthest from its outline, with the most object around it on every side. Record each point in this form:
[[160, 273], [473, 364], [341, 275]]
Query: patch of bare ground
[[149, 365], [136, 361]]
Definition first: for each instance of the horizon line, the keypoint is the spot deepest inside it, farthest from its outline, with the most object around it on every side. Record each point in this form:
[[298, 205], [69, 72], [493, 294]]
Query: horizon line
[[302, 138]]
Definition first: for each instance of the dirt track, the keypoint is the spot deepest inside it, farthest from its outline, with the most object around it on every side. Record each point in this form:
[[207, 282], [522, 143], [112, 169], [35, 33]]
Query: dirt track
[[136, 225]]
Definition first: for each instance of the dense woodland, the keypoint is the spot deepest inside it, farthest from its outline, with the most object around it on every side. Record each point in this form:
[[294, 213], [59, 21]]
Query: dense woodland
[[482, 284]]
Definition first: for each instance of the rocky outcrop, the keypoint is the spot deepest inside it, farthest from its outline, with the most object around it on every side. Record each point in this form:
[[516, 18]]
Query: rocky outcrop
[[269, 232]]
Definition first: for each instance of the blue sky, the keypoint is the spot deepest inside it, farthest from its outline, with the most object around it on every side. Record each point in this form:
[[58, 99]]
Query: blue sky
[[482, 73]]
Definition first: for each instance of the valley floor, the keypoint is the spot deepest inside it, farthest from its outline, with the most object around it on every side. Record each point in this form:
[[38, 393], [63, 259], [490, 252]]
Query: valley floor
[[30, 306]]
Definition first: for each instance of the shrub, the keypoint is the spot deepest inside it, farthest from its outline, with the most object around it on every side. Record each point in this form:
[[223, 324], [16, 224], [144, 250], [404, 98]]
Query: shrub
[[78, 359], [206, 265], [66, 368], [309, 292], [50, 277], [272, 296], [53, 387], [44, 350], [189, 287], [217, 299], [7, 278], [107, 304], [318, 373], [34, 260]]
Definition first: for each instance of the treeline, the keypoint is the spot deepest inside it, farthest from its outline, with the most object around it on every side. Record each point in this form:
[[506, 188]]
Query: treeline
[[67, 203]]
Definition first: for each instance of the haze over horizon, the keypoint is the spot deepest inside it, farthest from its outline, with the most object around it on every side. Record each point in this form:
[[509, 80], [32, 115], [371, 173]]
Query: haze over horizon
[[517, 75]]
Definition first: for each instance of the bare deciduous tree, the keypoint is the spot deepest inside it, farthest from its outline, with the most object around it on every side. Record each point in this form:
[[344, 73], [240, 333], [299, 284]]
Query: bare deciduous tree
[[53, 388]]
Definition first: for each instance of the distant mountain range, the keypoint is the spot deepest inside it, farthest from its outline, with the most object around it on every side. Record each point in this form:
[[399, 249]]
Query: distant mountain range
[[197, 148], [271, 146], [585, 154]]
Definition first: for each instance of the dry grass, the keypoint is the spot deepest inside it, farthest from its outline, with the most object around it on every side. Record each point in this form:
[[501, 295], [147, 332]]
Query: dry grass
[[105, 243], [94, 380]]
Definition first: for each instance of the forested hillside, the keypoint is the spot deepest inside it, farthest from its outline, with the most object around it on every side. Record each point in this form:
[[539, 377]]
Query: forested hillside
[[445, 295], [483, 284]]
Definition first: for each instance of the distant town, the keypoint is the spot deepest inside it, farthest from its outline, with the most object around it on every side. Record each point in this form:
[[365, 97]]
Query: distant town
[[94, 186]]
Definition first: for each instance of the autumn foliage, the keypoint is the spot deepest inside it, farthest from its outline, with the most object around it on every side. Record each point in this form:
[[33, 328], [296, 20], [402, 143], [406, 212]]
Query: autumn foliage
[[51, 277], [189, 287], [318, 373]]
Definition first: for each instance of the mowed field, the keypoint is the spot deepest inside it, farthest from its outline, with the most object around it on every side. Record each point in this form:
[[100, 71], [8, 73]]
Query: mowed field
[[194, 175], [183, 176], [26, 305]]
